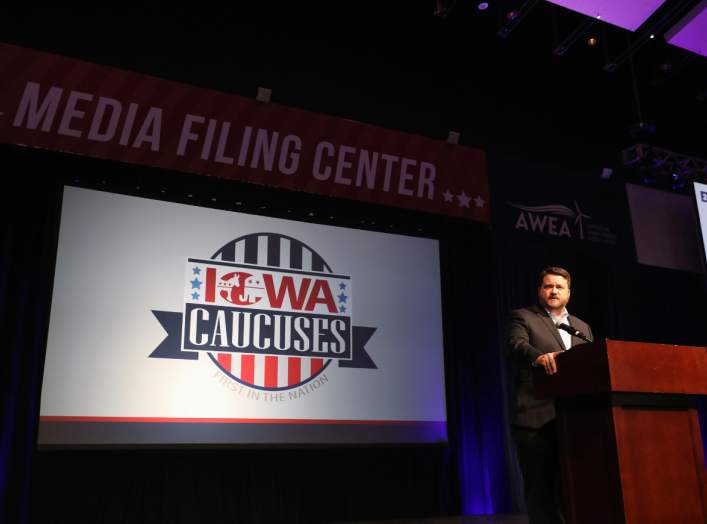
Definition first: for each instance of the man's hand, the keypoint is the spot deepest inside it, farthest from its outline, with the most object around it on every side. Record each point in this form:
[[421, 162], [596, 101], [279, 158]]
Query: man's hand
[[548, 362]]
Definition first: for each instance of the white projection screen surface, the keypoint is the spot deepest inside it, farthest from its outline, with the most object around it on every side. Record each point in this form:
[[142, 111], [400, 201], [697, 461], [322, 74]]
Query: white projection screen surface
[[701, 200], [173, 325]]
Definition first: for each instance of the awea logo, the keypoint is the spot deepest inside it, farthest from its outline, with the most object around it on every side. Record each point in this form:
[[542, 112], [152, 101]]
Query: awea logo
[[268, 311], [554, 220]]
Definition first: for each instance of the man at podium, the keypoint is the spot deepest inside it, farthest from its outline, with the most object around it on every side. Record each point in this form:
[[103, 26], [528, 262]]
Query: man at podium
[[535, 335]]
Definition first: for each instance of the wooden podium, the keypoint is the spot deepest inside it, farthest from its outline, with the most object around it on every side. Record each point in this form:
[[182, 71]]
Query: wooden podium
[[629, 435]]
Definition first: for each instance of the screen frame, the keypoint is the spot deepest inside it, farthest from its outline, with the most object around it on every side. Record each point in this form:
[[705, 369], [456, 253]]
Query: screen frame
[[262, 210], [701, 228]]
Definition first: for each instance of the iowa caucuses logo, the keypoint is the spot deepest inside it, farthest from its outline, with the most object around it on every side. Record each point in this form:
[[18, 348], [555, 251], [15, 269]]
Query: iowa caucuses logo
[[268, 311]]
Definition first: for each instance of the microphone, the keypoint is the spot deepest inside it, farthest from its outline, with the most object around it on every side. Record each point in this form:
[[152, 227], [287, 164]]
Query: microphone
[[572, 331]]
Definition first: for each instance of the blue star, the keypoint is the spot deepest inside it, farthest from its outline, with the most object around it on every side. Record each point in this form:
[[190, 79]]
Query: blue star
[[342, 297], [196, 270], [195, 295], [195, 284], [342, 286], [342, 309]]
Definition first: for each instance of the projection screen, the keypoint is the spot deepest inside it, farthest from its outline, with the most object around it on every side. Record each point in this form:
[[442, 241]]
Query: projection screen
[[177, 325]]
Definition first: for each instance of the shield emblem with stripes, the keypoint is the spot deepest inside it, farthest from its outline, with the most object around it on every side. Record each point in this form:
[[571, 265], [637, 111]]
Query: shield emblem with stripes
[[270, 372]]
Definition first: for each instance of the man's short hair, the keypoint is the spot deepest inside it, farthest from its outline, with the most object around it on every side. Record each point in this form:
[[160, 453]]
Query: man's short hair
[[553, 270]]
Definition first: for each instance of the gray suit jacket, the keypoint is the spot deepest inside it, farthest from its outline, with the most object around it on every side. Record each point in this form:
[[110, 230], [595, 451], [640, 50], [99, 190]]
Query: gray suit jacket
[[530, 332]]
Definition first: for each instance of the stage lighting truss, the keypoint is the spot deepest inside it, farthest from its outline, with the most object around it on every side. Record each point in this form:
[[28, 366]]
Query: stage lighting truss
[[663, 168]]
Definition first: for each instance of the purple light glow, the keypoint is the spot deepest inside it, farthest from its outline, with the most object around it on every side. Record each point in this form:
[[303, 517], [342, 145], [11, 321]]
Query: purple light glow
[[629, 14], [691, 32]]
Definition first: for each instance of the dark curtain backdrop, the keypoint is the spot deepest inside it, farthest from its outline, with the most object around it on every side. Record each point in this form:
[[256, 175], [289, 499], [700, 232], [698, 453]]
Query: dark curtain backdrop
[[243, 485]]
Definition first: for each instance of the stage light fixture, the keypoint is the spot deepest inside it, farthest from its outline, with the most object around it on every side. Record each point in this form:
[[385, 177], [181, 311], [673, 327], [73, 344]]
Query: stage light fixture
[[516, 18], [591, 41], [263, 95], [483, 6], [575, 36]]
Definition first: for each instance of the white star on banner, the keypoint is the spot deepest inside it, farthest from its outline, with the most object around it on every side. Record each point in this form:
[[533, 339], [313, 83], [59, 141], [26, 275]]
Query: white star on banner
[[448, 197], [463, 199], [479, 202]]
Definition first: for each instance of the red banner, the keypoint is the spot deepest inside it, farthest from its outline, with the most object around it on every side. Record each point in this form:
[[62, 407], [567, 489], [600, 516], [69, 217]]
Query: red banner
[[70, 105]]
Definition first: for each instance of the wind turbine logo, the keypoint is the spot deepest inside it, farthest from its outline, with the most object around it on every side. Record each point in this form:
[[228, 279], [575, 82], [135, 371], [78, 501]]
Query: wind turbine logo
[[578, 220]]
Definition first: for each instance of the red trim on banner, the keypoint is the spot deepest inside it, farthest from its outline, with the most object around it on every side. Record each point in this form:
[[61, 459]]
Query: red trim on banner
[[240, 420], [69, 105]]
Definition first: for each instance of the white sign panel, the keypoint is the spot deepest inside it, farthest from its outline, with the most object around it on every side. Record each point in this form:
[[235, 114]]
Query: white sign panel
[[175, 324], [701, 199]]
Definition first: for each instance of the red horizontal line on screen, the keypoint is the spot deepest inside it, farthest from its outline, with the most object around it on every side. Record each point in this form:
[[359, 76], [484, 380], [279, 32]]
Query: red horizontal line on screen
[[240, 420]]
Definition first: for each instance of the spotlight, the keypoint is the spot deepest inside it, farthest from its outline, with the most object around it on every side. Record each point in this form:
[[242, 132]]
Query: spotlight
[[511, 15], [652, 37], [483, 6], [591, 41], [263, 95]]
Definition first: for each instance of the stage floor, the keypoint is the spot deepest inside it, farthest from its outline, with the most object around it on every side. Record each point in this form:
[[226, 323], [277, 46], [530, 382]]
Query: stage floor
[[518, 518]]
